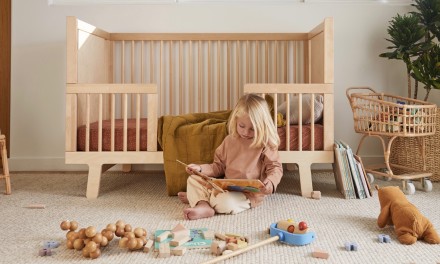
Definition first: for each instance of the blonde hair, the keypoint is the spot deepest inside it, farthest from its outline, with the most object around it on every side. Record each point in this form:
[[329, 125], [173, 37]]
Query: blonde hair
[[265, 132]]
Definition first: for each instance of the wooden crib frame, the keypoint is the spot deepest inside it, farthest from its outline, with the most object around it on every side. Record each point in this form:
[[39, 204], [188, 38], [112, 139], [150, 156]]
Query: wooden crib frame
[[138, 75]]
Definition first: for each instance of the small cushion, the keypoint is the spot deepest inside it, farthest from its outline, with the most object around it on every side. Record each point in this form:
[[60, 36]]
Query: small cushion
[[306, 108]]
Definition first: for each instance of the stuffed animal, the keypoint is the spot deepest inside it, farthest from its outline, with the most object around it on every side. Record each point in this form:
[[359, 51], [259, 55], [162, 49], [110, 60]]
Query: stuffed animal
[[409, 223]]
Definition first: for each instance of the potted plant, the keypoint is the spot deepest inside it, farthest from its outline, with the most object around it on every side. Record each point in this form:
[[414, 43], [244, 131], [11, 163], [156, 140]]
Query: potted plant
[[415, 40]]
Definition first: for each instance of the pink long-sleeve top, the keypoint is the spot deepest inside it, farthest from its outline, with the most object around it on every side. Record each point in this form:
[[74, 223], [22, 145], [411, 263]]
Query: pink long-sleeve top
[[236, 160]]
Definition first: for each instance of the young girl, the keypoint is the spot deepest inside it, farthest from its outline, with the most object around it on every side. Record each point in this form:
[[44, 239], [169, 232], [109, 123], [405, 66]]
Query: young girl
[[250, 151]]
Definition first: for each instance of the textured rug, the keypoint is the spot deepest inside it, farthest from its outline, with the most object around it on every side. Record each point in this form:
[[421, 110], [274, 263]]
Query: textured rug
[[140, 199]]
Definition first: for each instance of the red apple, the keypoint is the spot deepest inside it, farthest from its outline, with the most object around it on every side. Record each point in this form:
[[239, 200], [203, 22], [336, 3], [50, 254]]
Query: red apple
[[302, 225]]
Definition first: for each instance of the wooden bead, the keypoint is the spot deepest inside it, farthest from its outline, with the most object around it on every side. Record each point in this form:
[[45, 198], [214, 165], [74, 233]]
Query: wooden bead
[[111, 227], [91, 246], [65, 225], [73, 225], [78, 244], [95, 254], [90, 231]]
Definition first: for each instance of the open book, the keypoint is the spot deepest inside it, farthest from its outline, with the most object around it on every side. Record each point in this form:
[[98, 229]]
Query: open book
[[235, 185]]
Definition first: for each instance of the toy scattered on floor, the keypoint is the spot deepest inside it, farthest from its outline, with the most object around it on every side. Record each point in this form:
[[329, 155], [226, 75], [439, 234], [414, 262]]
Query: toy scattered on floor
[[35, 206], [316, 195], [384, 238], [319, 253], [45, 252], [351, 246], [88, 240], [276, 235], [292, 227], [409, 223], [51, 244], [133, 239]]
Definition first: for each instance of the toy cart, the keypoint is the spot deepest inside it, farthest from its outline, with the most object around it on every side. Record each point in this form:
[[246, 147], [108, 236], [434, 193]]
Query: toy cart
[[387, 117]]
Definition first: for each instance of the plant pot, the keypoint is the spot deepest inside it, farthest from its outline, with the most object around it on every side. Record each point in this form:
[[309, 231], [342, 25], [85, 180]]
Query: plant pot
[[405, 151]]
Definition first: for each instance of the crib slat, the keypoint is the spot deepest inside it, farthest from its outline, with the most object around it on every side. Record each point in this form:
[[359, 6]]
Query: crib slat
[[138, 121], [237, 70], [199, 70], [312, 124], [300, 127], [218, 76], [180, 78], [124, 116], [266, 62], [228, 78], [285, 58], [191, 85], [161, 86], [170, 78], [276, 63], [288, 122], [112, 122], [100, 124], [256, 61], [152, 122], [87, 122], [209, 78]]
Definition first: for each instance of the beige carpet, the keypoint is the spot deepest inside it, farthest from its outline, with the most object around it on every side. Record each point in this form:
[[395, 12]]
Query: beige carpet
[[140, 199]]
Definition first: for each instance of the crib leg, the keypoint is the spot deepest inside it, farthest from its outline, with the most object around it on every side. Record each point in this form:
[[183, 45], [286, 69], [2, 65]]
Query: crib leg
[[94, 181], [305, 178], [126, 167], [291, 166]]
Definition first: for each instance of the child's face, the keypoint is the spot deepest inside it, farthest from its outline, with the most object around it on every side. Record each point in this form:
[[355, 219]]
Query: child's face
[[244, 127]]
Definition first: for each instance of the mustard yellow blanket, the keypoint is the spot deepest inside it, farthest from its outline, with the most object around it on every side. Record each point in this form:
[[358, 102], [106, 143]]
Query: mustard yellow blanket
[[190, 138]]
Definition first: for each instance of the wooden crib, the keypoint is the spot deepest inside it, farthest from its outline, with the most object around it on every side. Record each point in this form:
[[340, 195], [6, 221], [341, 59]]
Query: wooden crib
[[118, 84]]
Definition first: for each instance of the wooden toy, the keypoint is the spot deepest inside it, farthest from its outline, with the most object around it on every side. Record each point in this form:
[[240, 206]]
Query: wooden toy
[[276, 234], [292, 227], [319, 253], [220, 236], [351, 246], [209, 234], [45, 252], [180, 231], [179, 242], [148, 246], [217, 247], [232, 246], [178, 251], [316, 195], [164, 250], [384, 238], [163, 236], [51, 244]]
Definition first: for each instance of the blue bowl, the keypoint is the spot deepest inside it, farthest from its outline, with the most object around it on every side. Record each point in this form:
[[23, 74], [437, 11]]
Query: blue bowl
[[292, 239]]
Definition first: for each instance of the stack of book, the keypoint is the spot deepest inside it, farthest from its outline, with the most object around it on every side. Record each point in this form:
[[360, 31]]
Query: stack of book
[[350, 176]]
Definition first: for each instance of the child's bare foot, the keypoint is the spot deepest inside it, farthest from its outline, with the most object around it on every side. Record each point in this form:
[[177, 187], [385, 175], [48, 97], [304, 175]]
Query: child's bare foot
[[202, 210], [182, 197]]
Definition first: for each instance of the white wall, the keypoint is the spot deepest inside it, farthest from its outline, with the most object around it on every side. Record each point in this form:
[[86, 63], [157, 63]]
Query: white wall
[[39, 60]]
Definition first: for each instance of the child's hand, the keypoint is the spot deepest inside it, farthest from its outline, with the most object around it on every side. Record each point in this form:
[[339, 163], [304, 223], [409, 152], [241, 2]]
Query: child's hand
[[268, 187], [191, 168]]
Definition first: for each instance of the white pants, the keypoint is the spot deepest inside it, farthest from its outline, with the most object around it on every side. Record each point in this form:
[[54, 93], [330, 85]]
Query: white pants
[[223, 203]]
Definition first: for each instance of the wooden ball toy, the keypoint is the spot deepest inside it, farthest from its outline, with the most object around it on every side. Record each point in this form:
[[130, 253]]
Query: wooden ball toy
[[129, 235], [132, 243], [123, 242], [91, 246], [128, 228], [82, 233], [73, 225], [140, 232], [108, 234], [104, 241], [90, 231], [69, 244], [78, 244], [119, 231], [95, 254], [85, 253], [120, 223], [111, 227], [65, 225], [98, 238]]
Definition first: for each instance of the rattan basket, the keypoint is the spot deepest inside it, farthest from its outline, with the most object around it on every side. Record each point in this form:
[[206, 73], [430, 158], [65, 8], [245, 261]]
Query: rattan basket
[[389, 115], [405, 150]]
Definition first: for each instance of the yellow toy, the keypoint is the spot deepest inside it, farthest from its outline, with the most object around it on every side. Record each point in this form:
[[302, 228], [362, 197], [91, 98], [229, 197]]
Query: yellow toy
[[280, 120], [408, 222]]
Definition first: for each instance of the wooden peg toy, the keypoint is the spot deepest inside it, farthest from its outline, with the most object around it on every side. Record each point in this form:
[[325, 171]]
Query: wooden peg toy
[[276, 235], [384, 238], [316, 195], [45, 252], [319, 253], [178, 251], [351, 246]]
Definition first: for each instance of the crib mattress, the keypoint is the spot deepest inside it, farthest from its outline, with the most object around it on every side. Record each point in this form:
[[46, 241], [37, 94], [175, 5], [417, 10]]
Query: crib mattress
[[131, 139]]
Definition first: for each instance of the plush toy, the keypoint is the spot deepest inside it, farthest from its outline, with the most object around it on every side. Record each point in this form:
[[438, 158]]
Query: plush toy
[[409, 223]]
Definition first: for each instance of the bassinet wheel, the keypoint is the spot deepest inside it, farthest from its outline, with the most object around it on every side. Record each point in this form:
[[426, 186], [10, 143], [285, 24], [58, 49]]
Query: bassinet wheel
[[370, 177], [409, 188], [427, 185]]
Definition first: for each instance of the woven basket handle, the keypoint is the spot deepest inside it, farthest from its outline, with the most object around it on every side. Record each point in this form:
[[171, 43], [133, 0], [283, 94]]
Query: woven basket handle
[[348, 92]]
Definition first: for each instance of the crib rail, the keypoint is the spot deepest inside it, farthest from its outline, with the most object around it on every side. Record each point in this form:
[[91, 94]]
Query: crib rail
[[284, 92], [88, 103]]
